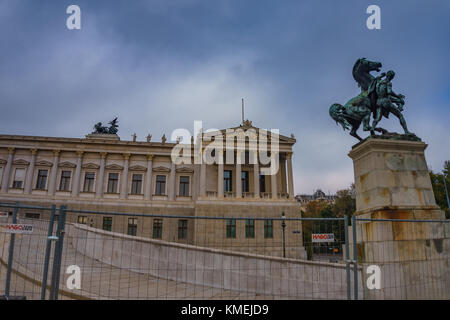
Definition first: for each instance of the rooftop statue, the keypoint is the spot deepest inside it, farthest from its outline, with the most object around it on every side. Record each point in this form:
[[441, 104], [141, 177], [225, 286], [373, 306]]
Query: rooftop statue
[[113, 128], [377, 99]]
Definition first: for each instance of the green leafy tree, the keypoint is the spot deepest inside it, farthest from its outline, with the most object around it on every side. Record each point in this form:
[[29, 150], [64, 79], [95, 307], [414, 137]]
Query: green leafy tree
[[440, 194], [345, 203], [312, 210]]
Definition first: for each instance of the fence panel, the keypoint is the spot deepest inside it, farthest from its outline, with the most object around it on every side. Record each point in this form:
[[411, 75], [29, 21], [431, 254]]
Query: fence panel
[[144, 256], [404, 259], [114, 255], [22, 253]]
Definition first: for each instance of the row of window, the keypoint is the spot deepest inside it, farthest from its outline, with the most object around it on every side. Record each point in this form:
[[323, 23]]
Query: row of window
[[136, 182], [183, 226], [228, 181], [132, 226], [89, 178], [249, 228]]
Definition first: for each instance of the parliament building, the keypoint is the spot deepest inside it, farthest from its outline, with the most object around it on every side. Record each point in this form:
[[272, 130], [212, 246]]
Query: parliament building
[[104, 174]]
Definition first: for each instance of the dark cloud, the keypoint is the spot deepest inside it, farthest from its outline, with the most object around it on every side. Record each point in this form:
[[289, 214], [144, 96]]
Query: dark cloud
[[159, 65]]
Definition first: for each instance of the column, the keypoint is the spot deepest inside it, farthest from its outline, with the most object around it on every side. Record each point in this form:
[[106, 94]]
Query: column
[[29, 178], [77, 175], [283, 178], [196, 182], [172, 185], [148, 178], [273, 178], [124, 189], [7, 173], [256, 175], [101, 175], [238, 174], [54, 173], [203, 179], [220, 175], [290, 175]]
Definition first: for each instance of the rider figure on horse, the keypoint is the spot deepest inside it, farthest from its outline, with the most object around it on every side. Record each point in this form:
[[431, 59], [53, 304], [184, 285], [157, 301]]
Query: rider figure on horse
[[387, 100]]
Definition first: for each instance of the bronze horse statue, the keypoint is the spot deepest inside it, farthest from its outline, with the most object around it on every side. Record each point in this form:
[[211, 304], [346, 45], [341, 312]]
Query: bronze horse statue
[[376, 97], [358, 109]]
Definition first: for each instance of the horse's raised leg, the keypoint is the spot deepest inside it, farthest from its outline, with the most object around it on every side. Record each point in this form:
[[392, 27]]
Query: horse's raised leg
[[354, 134], [366, 122]]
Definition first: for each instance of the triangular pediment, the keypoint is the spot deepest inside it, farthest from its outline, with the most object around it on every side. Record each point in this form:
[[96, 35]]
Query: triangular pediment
[[114, 166], [250, 132], [67, 164], [44, 163], [185, 170], [21, 162], [161, 169], [138, 168], [90, 166]]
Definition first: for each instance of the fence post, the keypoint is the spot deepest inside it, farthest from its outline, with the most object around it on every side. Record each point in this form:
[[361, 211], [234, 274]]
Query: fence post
[[56, 271], [355, 259], [347, 259], [11, 253], [48, 249]]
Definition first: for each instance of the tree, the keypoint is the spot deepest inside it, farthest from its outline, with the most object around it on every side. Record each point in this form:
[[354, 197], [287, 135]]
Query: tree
[[437, 182], [314, 208], [345, 203]]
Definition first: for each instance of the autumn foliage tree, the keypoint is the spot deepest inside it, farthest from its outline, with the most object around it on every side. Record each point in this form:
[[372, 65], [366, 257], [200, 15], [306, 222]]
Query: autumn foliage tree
[[440, 194]]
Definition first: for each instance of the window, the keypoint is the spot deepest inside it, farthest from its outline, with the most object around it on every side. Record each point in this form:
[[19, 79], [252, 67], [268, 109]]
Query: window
[[29, 215], [132, 226], [42, 179], [82, 219], [1, 174], [227, 182], [65, 181], [160, 185], [113, 182], [157, 229], [184, 186], [231, 228], [249, 228], [136, 184], [19, 177], [107, 223], [245, 184], [268, 228], [262, 183], [89, 182], [182, 229]]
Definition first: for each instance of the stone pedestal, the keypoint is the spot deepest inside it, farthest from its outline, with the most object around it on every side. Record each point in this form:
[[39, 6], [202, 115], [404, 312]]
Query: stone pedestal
[[392, 182]]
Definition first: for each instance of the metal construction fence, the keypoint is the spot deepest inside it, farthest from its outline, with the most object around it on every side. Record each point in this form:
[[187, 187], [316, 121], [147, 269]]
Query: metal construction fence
[[402, 258], [60, 253]]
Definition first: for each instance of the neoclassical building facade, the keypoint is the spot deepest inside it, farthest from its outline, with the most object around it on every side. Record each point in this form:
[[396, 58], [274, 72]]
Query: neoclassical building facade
[[102, 173]]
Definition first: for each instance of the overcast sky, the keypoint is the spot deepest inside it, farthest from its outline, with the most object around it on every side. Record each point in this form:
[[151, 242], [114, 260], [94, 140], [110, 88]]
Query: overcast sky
[[159, 65]]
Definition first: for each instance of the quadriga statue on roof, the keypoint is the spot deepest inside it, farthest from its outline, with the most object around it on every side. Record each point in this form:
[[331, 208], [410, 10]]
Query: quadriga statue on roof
[[376, 98], [113, 128]]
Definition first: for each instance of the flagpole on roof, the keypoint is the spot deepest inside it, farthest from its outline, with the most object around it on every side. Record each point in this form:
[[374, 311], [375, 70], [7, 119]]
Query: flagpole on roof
[[242, 111]]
